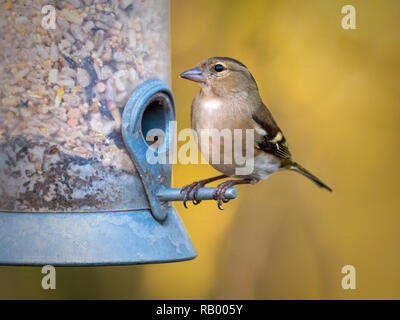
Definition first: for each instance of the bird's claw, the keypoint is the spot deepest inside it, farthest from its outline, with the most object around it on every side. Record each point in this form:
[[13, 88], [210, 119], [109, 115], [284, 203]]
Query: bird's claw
[[195, 186], [219, 193]]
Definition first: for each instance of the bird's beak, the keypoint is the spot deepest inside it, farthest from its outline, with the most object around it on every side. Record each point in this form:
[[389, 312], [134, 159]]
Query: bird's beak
[[194, 74]]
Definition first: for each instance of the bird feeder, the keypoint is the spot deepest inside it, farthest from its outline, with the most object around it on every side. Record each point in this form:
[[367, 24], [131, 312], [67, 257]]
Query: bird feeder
[[78, 96]]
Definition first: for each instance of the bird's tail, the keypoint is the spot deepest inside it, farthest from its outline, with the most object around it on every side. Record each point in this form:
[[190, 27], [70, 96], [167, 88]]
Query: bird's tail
[[296, 167]]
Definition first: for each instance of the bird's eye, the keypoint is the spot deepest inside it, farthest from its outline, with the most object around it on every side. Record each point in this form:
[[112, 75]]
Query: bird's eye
[[219, 67]]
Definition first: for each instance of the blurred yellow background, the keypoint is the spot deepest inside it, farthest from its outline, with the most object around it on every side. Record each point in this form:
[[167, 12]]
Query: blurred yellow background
[[335, 94]]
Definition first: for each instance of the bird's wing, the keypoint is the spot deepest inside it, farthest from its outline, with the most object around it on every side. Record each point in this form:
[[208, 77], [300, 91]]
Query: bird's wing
[[272, 140]]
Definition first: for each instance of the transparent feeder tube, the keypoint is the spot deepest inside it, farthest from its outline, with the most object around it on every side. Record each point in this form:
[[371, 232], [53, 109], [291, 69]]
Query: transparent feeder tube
[[63, 87]]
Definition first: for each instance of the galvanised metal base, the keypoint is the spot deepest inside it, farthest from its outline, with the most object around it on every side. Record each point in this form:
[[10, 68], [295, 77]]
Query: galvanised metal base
[[85, 239]]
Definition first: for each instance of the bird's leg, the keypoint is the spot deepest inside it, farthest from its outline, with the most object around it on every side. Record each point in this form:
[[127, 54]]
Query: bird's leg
[[219, 192], [196, 186]]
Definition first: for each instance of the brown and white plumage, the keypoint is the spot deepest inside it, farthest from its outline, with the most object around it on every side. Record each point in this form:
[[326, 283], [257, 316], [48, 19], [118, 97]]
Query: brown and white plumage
[[229, 99]]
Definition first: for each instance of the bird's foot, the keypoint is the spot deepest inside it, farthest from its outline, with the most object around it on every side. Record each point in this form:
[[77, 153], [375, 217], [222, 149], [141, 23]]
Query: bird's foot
[[219, 193], [195, 186], [192, 187]]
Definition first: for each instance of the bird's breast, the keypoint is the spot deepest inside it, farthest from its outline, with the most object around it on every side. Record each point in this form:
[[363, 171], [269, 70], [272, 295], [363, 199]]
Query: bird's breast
[[206, 111], [220, 129], [215, 113], [211, 105]]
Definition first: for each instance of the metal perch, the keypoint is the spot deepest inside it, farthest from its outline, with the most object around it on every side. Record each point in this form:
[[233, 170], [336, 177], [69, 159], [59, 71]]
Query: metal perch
[[174, 194]]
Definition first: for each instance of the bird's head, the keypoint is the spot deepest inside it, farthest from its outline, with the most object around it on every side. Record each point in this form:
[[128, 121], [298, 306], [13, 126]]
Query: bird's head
[[222, 75]]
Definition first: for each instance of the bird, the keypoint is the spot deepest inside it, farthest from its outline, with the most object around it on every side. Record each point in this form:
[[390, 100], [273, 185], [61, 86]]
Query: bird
[[229, 99]]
